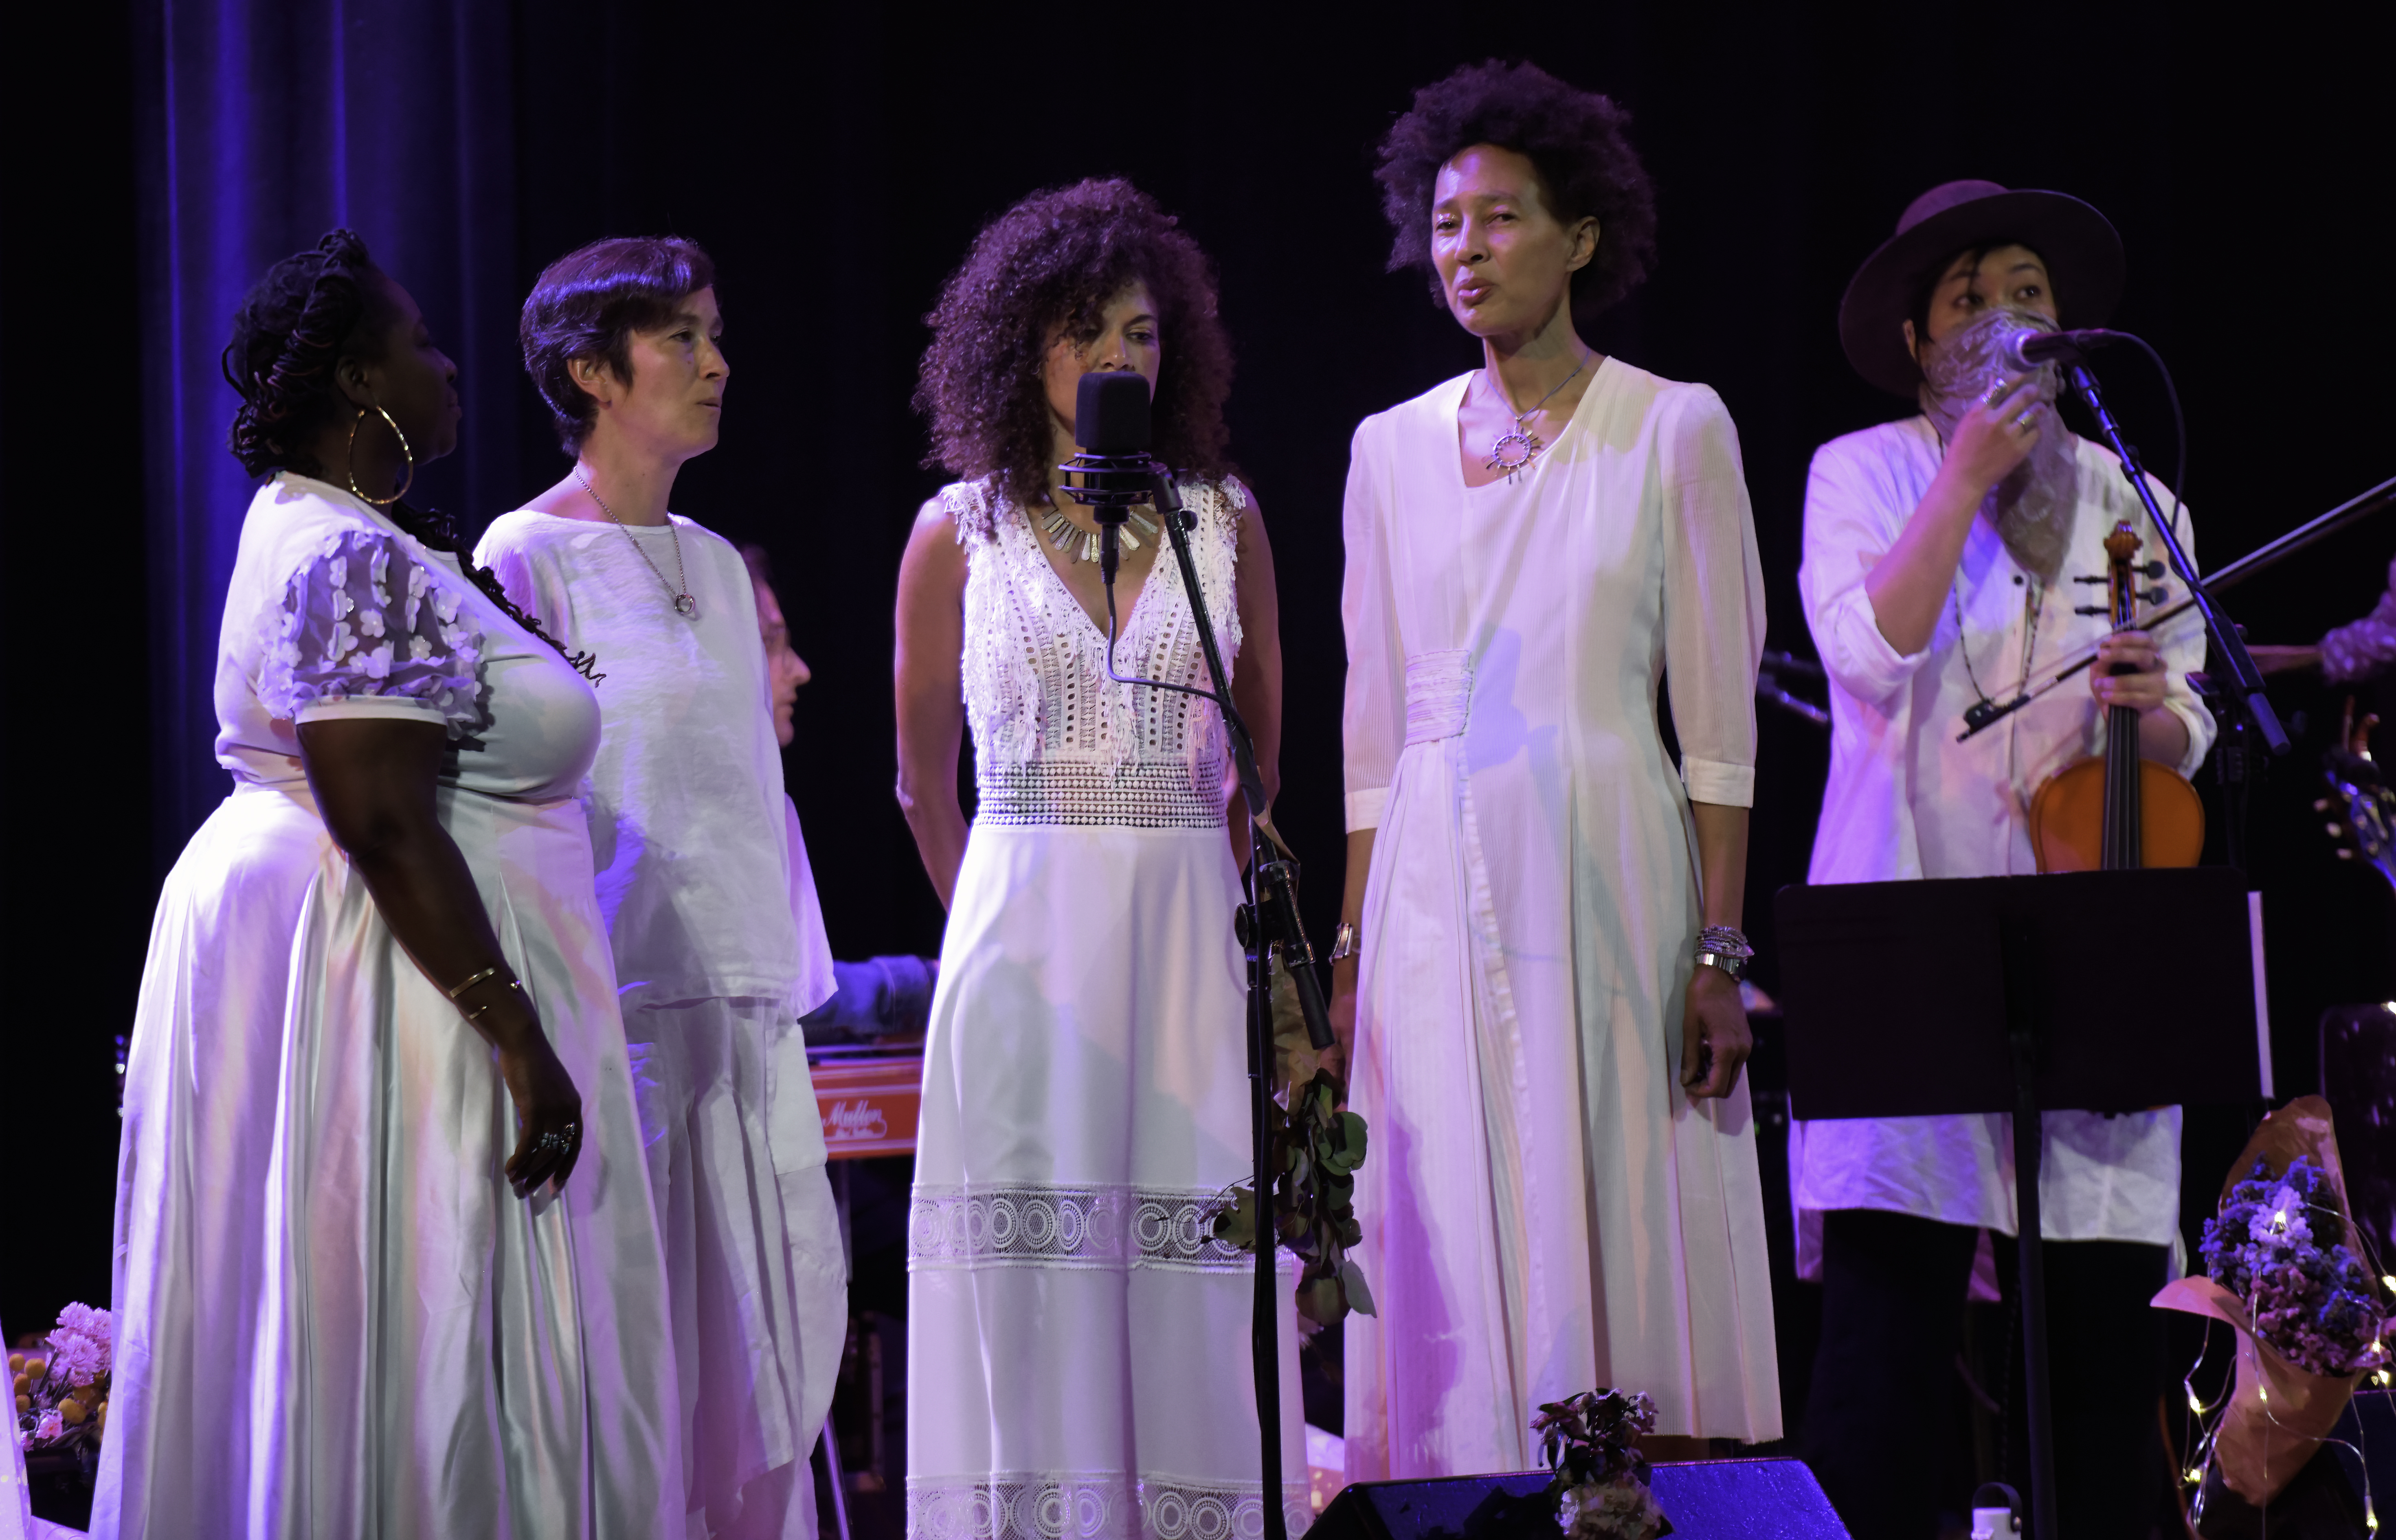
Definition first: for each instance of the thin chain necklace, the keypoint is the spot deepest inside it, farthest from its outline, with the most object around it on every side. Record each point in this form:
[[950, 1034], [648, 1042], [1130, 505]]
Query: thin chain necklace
[[2033, 607], [1522, 435], [683, 603]]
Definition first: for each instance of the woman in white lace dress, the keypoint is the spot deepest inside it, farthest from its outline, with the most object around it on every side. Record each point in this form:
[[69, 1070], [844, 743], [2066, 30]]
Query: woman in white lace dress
[[1078, 1358], [377, 997]]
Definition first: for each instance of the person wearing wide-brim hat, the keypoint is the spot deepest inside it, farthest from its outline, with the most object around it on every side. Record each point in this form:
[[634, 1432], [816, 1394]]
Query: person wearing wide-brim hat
[[1940, 551]]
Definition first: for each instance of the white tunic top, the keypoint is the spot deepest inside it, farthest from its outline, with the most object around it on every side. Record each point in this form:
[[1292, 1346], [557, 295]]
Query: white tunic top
[[1905, 800], [685, 801], [1544, 1210]]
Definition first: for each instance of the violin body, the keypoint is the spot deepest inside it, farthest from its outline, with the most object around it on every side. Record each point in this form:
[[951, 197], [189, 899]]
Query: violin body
[[2067, 818], [2117, 811]]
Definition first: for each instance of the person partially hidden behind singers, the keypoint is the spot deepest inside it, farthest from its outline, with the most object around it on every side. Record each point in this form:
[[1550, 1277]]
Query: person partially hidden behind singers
[[1940, 554]]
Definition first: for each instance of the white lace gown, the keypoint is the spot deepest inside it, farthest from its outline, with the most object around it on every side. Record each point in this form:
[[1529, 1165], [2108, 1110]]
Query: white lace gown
[[333, 1317], [1544, 1211], [1077, 1349]]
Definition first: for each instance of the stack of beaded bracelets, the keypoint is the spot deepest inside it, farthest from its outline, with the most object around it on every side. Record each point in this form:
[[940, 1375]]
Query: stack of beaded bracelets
[[1725, 947], [493, 972]]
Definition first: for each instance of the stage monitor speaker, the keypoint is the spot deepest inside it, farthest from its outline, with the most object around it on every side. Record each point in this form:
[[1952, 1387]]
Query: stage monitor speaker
[[1705, 1500]]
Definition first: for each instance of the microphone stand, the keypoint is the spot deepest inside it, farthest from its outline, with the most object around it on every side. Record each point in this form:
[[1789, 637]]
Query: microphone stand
[[2239, 701], [1269, 920]]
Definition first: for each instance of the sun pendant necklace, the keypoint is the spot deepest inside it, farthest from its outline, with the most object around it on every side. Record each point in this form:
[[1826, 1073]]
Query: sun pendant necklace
[[1522, 437], [1078, 545], [684, 605]]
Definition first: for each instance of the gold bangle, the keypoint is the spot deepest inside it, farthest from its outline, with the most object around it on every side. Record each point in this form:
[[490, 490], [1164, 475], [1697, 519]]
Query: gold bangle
[[473, 980], [480, 1010]]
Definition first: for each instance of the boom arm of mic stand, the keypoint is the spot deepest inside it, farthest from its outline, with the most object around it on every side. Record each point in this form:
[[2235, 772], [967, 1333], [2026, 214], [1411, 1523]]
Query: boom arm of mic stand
[[2244, 679], [2270, 553], [1276, 879]]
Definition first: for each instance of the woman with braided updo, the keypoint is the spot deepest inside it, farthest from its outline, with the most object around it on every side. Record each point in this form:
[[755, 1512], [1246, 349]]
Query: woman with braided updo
[[379, 1001]]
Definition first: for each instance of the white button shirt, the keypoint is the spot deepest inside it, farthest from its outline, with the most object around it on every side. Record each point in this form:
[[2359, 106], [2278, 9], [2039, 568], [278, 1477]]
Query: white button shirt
[[1905, 800]]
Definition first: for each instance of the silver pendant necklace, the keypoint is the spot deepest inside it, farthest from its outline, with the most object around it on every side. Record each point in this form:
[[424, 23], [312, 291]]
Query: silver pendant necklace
[[684, 605], [1078, 545], [1521, 436]]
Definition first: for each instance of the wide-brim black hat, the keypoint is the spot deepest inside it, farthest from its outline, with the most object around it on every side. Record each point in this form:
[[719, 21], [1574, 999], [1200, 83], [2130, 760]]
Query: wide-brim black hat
[[2081, 251]]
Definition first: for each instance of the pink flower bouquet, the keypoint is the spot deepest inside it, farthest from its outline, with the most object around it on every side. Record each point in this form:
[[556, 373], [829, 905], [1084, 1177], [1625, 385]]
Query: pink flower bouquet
[[63, 1393]]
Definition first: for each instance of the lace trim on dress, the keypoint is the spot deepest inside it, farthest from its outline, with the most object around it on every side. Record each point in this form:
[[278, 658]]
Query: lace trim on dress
[[1140, 796], [1034, 666], [1096, 1505], [365, 617], [1099, 1226]]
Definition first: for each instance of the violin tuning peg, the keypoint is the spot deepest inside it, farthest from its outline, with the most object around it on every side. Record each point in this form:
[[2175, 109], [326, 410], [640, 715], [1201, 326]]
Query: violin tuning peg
[[2344, 853], [2090, 609], [2092, 579], [2153, 569], [2320, 804], [2333, 830], [2156, 594]]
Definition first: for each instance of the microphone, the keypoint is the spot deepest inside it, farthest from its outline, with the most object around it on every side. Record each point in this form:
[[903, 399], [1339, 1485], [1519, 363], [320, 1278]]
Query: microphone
[[1111, 425], [2029, 347]]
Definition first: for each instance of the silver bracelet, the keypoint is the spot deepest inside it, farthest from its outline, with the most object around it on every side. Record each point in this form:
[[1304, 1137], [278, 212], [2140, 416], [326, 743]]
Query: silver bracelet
[[1343, 941]]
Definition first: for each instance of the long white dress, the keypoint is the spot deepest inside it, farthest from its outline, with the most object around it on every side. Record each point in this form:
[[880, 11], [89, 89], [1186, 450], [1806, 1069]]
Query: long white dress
[[692, 834], [333, 1316], [1544, 1211], [1077, 1342]]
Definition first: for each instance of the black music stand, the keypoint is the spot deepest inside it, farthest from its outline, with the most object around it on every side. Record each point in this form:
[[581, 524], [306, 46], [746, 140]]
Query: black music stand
[[2020, 981]]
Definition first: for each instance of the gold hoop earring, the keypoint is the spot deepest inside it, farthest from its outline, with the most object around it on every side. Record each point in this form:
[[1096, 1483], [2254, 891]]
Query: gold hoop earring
[[350, 460]]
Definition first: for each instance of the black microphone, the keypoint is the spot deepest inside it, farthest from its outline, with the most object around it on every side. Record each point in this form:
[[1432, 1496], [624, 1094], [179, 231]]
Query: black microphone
[[2029, 347], [1111, 425]]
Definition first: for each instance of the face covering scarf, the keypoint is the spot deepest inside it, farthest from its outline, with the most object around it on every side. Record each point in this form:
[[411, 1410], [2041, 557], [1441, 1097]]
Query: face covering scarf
[[2032, 509]]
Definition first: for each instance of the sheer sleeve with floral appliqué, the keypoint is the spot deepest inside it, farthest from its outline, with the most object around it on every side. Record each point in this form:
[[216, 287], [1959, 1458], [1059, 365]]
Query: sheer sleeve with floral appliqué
[[364, 620]]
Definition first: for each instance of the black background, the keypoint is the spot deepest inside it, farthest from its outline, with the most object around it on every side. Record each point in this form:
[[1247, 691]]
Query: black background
[[836, 163]]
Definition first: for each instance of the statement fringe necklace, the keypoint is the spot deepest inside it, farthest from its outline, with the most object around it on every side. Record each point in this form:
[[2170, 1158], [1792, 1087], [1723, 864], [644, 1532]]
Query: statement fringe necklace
[[1078, 545]]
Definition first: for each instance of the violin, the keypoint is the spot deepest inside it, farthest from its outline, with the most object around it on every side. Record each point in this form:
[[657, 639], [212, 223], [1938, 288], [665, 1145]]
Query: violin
[[2117, 811]]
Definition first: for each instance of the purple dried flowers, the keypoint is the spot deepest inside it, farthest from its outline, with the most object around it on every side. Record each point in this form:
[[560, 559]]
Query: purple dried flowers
[[2279, 1246]]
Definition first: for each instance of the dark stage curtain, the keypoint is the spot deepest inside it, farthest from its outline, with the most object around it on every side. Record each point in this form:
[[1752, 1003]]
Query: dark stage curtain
[[261, 125]]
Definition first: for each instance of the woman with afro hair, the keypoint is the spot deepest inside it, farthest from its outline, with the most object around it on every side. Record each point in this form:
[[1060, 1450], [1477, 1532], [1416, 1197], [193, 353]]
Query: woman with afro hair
[[384, 1258], [1077, 1356], [1542, 911]]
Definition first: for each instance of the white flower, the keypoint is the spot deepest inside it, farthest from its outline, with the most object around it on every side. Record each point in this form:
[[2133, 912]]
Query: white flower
[[336, 573], [419, 649], [457, 639], [75, 1358], [370, 622], [377, 664], [97, 1324], [338, 645], [379, 573], [51, 1426]]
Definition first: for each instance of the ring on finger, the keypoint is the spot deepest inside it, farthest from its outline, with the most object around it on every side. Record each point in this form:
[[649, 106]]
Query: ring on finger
[[2023, 421], [1996, 394]]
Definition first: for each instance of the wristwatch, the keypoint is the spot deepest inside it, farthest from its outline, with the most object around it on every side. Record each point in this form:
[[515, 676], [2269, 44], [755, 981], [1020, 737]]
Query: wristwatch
[[1733, 965], [1343, 941]]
